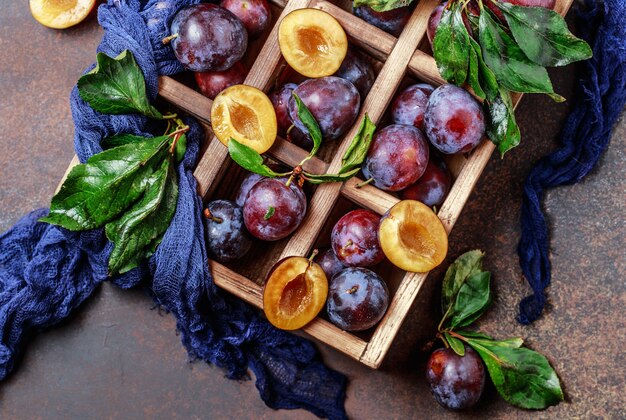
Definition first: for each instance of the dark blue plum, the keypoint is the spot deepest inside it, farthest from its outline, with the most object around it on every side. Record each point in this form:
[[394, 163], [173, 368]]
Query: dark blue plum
[[357, 299], [392, 21], [358, 70], [227, 238], [329, 262]]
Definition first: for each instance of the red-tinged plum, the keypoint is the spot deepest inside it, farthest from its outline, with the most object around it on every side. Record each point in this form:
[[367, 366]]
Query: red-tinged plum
[[211, 83], [455, 381], [409, 106], [454, 121], [254, 14], [354, 239], [392, 21], [432, 187], [329, 262], [280, 99], [397, 157], [358, 70], [227, 238], [207, 37], [333, 101], [273, 210], [357, 299]]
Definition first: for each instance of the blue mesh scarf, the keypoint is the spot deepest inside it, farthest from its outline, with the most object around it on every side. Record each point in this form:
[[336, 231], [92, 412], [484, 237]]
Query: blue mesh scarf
[[600, 98], [46, 272]]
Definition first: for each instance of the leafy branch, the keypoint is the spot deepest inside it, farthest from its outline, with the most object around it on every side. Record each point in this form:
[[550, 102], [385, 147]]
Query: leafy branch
[[523, 377], [351, 161], [131, 188]]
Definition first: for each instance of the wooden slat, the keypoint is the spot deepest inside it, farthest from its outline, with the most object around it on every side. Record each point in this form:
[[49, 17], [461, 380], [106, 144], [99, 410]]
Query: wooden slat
[[374, 105], [318, 328]]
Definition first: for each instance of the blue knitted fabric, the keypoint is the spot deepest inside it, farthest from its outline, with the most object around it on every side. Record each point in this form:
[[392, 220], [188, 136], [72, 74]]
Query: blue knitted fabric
[[46, 272], [585, 136]]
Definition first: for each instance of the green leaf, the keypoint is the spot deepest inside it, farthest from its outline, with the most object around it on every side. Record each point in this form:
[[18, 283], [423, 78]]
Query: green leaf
[[140, 230], [455, 344], [249, 159], [503, 56], [324, 178], [181, 148], [102, 189], [472, 300], [523, 377], [120, 140], [543, 35], [310, 123], [473, 78], [451, 46], [459, 271], [357, 151], [502, 128], [270, 213], [486, 78], [383, 5], [116, 86], [484, 339]]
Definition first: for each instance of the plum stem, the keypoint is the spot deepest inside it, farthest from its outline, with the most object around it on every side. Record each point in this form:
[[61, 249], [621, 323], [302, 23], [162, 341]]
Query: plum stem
[[353, 289], [364, 183], [167, 39], [209, 215], [313, 255]]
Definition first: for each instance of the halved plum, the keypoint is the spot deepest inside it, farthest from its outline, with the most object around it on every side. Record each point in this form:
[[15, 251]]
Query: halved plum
[[60, 14], [312, 41], [246, 114], [295, 292], [412, 237]]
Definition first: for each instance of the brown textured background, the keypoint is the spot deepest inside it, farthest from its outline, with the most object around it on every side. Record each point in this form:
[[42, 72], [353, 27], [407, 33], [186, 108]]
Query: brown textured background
[[117, 358]]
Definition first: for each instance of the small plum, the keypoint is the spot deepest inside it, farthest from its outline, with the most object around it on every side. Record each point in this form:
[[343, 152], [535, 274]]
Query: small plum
[[227, 238], [354, 239], [409, 106], [357, 299], [273, 210], [455, 381], [329, 262], [254, 14], [397, 157], [207, 37], [432, 187], [333, 101], [358, 70], [280, 99], [211, 83], [454, 121], [392, 21]]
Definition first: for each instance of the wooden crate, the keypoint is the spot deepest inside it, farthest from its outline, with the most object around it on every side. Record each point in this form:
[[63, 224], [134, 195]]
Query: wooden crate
[[397, 58]]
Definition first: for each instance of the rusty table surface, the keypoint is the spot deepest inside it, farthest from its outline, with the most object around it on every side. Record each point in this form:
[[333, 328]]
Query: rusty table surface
[[116, 358]]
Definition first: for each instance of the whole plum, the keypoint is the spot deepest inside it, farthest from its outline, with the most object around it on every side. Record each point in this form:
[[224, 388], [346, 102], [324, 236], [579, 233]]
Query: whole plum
[[207, 37], [254, 14], [454, 121], [227, 238], [358, 70], [357, 299], [397, 157], [333, 101], [409, 106], [455, 381], [273, 210], [354, 239], [432, 187], [392, 21], [211, 83], [329, 262]]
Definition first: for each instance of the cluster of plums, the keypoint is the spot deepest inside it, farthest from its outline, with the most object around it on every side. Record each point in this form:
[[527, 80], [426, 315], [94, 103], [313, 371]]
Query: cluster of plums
[[211, 39]]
